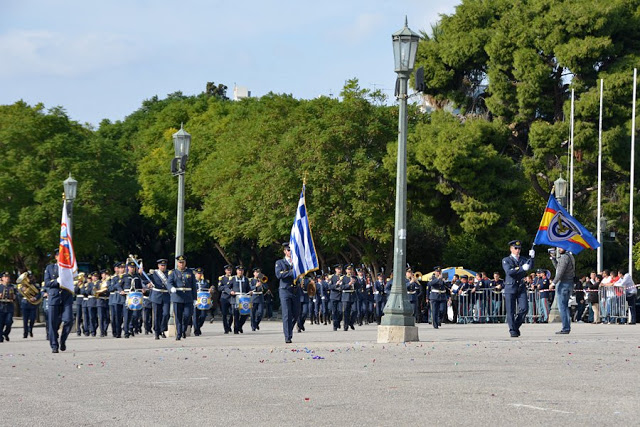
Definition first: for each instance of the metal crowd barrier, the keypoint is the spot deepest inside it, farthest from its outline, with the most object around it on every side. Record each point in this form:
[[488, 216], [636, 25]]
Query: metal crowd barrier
[[613, 303], [482, 306]]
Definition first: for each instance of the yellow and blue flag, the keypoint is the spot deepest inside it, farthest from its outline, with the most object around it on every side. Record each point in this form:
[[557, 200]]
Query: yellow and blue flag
[[559, 229]]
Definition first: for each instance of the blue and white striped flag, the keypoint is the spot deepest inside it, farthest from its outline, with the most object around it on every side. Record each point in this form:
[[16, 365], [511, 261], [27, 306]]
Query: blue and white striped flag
[[303, 251]]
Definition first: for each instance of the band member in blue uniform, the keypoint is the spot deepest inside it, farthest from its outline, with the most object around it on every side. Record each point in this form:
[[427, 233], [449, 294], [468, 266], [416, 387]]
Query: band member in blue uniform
[[348, 288], [437, 297], [304, 302], [28, 303], [226, 300], [181, 284], [80, 305], [60, 307], [92, 304], [288, 292], [115, 309], [160, 299], [413, 288], [101, 293], [323, 296], [361, 299], [239, 287], [199, 316], [131, 282], [335, 296], [7, 297], [258, 286], [516, 268], [379, 296]]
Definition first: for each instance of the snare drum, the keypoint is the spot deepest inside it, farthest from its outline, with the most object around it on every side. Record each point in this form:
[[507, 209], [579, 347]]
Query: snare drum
[[134, 300], [204, 300], [244, 304]]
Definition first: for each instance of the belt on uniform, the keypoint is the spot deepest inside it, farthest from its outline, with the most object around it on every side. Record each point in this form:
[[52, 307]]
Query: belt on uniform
[[104, 298], [257, 293], [183, 289], [437, 292], [347, 291], [159, 290], [6, 300], [411, 292], [90, 296]]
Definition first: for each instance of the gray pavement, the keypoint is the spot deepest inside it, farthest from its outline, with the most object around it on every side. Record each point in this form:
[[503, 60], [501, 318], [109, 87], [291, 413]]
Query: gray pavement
[[457, 375]]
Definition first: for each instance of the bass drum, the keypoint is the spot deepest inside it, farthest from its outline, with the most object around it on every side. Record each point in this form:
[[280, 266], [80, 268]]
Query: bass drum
[[204, 300], [134, 301], [244, 304]]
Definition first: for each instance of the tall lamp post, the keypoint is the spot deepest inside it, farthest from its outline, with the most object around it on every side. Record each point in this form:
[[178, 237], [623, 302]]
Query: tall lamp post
[[560, 191], [70, 188], [181, 145], [398, 324]]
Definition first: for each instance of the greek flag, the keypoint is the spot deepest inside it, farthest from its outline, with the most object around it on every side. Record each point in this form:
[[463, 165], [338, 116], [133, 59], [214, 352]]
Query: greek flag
[[303, 251]]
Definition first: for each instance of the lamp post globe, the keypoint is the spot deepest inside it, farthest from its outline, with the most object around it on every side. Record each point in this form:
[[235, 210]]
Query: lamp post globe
[[560, 190], [70, 188]]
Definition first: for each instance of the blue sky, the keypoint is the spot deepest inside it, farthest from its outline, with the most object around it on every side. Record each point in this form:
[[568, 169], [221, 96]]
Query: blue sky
[[101, 59]]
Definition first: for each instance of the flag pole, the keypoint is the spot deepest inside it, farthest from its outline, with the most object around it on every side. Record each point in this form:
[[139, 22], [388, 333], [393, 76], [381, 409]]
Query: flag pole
[[571, 158], [633, 149], [600, 248]]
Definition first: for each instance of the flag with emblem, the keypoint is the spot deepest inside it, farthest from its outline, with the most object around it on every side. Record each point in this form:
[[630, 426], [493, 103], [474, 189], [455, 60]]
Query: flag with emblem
[[67, 266], [561, 230], [303, 251]]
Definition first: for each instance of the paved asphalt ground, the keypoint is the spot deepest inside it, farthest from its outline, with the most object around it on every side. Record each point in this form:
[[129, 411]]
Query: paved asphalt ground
[[457, 375]]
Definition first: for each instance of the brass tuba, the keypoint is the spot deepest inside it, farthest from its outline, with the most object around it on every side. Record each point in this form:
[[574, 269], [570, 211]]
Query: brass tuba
[[27, 289], [311, 289]]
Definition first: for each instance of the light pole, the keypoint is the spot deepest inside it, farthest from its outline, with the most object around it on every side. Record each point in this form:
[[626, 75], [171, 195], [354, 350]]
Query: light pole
[[181, 145], [560, 191], [70, 188], [398, 324]]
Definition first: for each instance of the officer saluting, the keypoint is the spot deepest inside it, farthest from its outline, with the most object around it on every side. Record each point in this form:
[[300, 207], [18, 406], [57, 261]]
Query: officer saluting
[[515, 292], [181, 284]]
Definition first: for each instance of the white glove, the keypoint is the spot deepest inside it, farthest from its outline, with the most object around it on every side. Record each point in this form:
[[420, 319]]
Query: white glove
[[173, 290], [532, 254], [526, 267], [58, 280]]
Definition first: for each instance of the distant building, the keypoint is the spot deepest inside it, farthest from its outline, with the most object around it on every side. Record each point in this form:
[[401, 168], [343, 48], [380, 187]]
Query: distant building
[[240, 92]]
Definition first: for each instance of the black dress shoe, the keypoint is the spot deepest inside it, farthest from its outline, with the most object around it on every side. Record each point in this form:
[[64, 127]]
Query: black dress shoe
[[562, 332], [63, 346], [236, 332], [24, 335], [302, 327], [126, 335], [226, 332], [157, 337], [31, 333], [288, 341], [352, 327], [54, 350], [258, 327], [177, 337], [241, 331], [163, 335], [184, 335], [299, 330]]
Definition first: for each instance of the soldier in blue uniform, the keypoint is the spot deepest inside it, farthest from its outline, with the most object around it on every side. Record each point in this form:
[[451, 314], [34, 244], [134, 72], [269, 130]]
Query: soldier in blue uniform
[[101, 293], [29, 307], [181, 285], [516, 268], [361, 300], [160, 299], [369, 300], [348, 288], [437, 291], [7, 297], [147, 306], [288, 292], [226, 300], [379, 293], [323, 298], [257, 298], [268, 302], [335, 296], [199, 316], [60, 307], [239, 287]]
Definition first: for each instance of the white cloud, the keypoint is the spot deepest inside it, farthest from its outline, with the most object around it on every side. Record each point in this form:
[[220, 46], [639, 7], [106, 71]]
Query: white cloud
[[47, 53]]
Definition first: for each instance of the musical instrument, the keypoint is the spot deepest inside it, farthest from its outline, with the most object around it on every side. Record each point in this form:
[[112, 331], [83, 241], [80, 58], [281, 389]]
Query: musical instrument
[[203, 301], [244, 304], [417, 275], [101, 289], [263, 278], [134, 300], [29, 290]]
